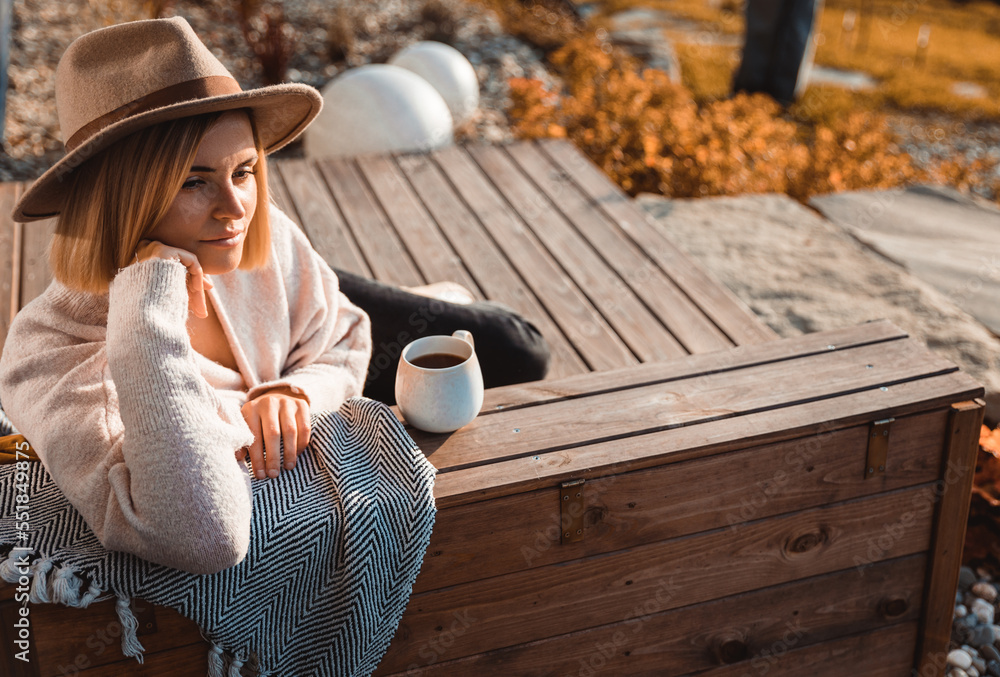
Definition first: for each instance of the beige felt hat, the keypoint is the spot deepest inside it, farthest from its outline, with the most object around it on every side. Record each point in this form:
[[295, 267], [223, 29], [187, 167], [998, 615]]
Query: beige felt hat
[[117, 80]]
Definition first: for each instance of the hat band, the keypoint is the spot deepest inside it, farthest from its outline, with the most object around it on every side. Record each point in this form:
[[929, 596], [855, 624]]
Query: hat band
[[199, 88]]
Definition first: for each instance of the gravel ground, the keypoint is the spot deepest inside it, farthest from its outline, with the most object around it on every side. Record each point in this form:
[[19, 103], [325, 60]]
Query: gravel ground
[[974, 630], [328, 37], [932, 137]]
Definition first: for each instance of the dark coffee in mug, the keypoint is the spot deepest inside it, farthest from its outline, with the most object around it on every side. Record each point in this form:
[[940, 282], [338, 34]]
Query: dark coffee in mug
[[437, 360]]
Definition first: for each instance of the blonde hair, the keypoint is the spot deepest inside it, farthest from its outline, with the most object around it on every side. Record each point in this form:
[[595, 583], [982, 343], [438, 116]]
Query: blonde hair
[[120, 194]]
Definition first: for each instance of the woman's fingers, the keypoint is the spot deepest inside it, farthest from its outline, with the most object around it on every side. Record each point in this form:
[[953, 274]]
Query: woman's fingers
[[196, 284], [270, 435], [197, 302], [256, 449], [280, 425], [197, 280], [305, 427], [265, 452], [289, 432]]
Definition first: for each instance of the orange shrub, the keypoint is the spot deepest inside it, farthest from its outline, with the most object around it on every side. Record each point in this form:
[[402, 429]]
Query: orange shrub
[[989, 440], [650, 135], [547, 24]]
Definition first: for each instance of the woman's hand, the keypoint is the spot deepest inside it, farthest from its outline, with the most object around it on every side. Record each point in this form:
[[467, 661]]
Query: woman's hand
[[277, 415], [197, 281]]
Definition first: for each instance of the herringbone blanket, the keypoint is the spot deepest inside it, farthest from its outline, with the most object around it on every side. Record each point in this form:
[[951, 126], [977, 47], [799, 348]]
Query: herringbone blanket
[[335, 547]]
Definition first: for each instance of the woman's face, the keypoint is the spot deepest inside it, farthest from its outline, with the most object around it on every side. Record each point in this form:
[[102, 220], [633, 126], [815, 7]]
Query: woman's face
[[210, 215]]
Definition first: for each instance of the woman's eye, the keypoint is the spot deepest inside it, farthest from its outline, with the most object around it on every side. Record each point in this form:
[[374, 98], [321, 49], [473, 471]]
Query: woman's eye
[[243, 173], [192, 183]]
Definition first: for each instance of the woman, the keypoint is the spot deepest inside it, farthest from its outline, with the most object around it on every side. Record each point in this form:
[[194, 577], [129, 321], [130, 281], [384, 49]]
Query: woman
[[190, 325]]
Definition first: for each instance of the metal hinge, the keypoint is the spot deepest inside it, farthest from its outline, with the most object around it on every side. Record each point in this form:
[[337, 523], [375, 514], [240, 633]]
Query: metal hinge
[[878, 448], [571, 510]]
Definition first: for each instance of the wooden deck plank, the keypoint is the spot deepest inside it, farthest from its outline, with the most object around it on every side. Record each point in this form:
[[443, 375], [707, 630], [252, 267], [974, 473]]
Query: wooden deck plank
[[598, 344], [880, 653], [650, 641], [10, 258], [182, 661], [481, 483], [35, 272], [621, 308], [278, 193], [721, 305], [380, 244], [523, 394], [487, 264], [432, 254], [624, 511], [380, 217], [640, 410], [672, 307], [320, 218], [78, 632], [545, 602]]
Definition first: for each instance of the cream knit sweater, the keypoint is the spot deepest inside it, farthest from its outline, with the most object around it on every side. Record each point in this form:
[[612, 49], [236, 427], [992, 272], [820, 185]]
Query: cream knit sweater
[[139, 430]]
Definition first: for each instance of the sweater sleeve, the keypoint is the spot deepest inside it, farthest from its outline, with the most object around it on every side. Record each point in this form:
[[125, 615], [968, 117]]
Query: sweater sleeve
[[329, 337], [129, 429]]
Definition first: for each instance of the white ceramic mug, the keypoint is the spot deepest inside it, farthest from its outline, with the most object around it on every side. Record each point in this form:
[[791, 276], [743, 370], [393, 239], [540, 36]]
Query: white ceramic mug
[[438, 394]]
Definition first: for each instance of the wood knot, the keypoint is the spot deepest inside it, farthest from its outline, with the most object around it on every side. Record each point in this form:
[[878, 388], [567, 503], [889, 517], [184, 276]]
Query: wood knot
[[595, 515], [806, 542], [893, 607], [732, 650]]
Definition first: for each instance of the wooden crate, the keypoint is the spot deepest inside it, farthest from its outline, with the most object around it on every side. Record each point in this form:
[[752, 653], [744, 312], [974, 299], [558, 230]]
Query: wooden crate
[[716, 515], [727, 523]]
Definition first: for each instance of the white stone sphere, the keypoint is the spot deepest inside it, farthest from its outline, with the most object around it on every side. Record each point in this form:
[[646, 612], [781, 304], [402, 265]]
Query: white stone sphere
[[448, 70], [378, 108]]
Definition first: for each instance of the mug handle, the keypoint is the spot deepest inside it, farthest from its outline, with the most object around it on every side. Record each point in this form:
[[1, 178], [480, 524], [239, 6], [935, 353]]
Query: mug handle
[[465, 336]]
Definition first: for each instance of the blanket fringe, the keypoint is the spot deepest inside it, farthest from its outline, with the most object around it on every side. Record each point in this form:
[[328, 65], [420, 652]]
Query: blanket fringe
[[92, 593], [66, 586], [50, 583], [130, 642], [8, 569], [40, 569], [215, 664], [234, 667]]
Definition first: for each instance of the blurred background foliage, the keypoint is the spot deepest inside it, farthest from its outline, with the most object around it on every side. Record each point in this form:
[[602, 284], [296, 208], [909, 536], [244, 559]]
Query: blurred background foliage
[[692, 139]]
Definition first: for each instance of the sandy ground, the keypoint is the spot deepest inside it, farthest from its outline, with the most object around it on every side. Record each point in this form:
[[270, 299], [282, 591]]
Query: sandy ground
[[801, 273]]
